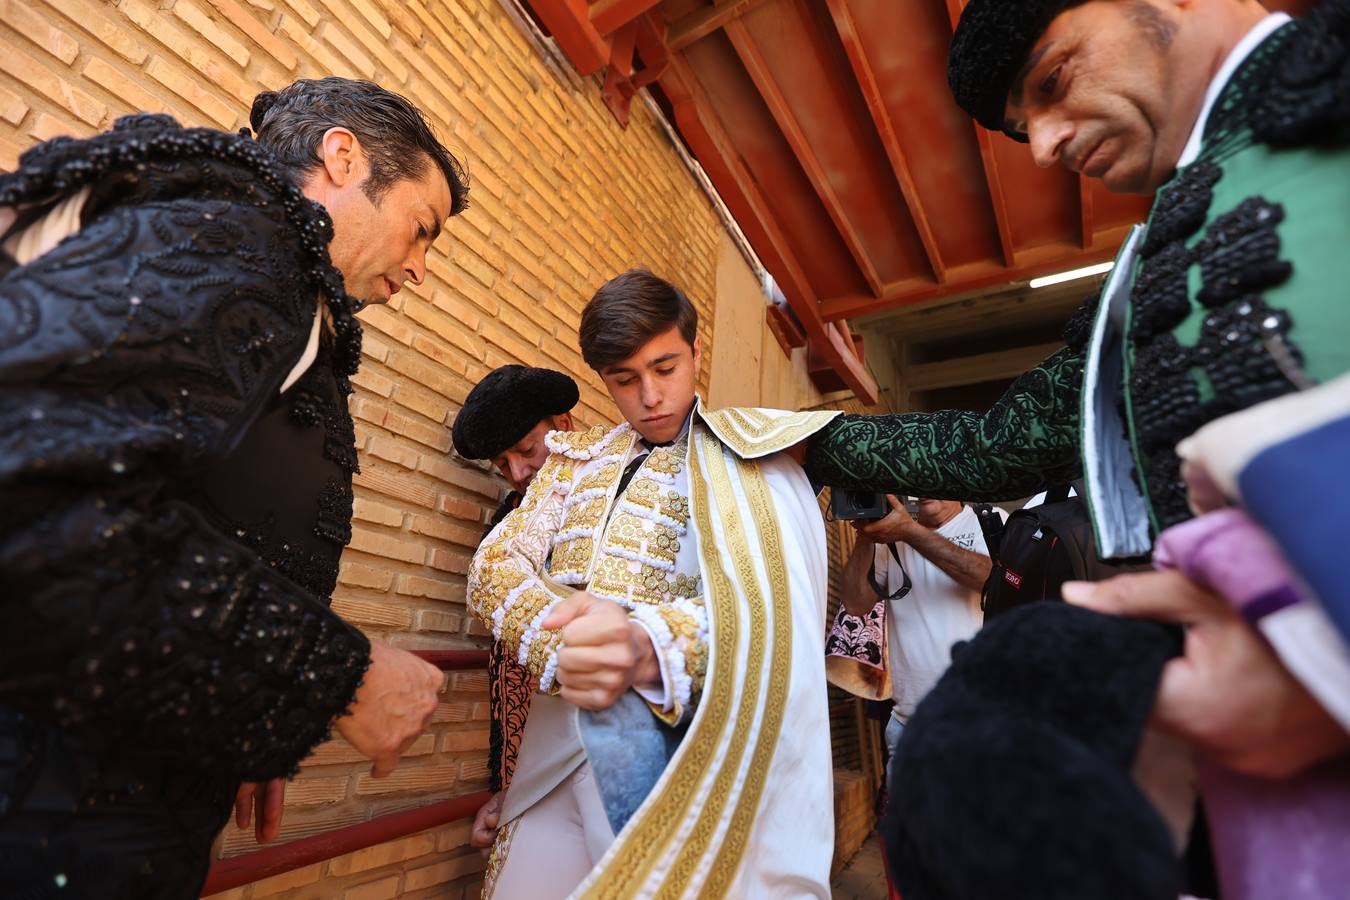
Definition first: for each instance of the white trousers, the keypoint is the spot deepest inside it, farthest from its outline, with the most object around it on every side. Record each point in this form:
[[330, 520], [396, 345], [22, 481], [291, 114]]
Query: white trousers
[[546, 851]]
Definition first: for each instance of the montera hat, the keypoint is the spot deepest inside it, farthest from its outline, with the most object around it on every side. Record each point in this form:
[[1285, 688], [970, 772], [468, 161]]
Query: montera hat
[[505, 405], [991, 44], [1013, 776]]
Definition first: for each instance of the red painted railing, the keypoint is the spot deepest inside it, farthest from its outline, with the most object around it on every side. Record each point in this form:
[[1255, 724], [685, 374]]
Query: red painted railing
[[249, 867]]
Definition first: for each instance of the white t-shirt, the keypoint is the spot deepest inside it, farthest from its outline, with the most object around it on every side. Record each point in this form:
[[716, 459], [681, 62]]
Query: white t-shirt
[[937, 612]]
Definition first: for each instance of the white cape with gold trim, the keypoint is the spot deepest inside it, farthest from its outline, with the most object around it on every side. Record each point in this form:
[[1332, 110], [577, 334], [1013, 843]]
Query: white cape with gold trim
[[745, 807]]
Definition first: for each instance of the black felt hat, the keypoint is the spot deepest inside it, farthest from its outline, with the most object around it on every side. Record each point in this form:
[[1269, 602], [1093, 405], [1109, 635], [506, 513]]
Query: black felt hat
[[505, 405], [1012, 777], [991, 44]]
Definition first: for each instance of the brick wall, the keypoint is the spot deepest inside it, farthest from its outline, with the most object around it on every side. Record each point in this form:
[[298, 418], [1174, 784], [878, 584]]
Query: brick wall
[[562, 198]]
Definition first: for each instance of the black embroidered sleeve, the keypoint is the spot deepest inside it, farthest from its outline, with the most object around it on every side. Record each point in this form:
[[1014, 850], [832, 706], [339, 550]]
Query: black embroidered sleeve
[[1027, 442], [134, 352]]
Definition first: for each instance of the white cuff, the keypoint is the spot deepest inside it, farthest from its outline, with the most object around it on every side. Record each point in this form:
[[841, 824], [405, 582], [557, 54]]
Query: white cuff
[[663, 697]]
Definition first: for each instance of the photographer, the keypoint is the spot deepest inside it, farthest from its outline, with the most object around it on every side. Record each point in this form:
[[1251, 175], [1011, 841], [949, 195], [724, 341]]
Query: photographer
[[929, 562]]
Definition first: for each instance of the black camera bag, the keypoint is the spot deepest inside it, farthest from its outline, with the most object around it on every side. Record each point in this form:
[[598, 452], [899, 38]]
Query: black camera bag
[[1040, 549]]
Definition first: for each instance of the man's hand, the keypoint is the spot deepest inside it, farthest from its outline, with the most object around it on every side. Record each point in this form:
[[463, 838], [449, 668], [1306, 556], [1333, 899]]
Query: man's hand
[[604, 652], [393, 706], [486, 822], [897, 526], [267, 797], [1228, 694]]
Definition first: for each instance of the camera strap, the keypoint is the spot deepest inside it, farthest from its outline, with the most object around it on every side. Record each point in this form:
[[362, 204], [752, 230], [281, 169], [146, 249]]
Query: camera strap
[[904, 588]]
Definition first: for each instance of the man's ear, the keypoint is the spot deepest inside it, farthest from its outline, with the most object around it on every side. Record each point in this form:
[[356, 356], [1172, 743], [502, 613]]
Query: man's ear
[[343, 159], [563, 422], [698, 351]]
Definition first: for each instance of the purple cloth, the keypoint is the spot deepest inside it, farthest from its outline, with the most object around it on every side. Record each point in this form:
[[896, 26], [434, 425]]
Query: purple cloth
[[1287, 838]]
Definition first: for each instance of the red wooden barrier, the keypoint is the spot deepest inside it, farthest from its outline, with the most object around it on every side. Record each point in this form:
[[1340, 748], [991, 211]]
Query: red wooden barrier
[[259, 864]]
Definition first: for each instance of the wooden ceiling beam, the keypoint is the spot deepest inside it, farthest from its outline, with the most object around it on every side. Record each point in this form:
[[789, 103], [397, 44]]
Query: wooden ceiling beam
[[881, 121], [985, 139], [569, 23], [699, 126], [1036, 261], [964, 370], [696, 26], [781, 110], [608, 16]]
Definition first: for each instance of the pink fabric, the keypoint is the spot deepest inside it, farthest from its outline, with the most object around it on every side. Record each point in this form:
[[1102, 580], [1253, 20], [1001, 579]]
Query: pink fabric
[[1288, 838], [1230, 554]]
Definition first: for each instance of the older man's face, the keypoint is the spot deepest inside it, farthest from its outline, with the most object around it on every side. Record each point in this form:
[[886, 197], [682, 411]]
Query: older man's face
[[519, 462], [1104, 94]]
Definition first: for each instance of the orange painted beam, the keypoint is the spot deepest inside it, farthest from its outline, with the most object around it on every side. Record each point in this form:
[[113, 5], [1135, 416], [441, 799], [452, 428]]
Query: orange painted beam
[[881, 121], [1036, 261], [781, 110], [985, 139], [696, 26], [608, 16], [570, 24], [708, 139]]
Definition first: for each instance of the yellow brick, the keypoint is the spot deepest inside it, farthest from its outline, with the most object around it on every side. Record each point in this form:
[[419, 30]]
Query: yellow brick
[[346, 46], [477, 769], [428, 620], [246, 22], [373, 381], [440, 873], [315, 791], [297, 30], [91, 18], [12, 107], [424, 402], [452, 712], [201, 22], [417, 586], [38, 29], [338, 751], [129, 90], [383, 855], [470, 682], [406, 23], [287, 881], [454, 836], [192, 51], [388, 322], [364, 612], [397, 487], [409, 778], [461, 741], [445, 531], [28, 71], [388, 546], [384, 889], [46, 126], [187, 87], [9, 156], [378, 513], [391, 450], [357, 575], [306, 11]]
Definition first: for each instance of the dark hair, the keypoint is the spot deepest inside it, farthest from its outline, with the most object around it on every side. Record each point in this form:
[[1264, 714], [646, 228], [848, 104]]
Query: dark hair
[[395, 136], [627, 312]]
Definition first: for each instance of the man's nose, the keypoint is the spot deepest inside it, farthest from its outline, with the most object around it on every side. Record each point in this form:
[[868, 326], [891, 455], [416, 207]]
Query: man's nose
[[521, 471], [416, 267], [1049, 135], [651, 392]]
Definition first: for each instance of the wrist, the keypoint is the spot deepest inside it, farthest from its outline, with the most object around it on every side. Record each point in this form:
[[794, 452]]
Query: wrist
[[646, 668]]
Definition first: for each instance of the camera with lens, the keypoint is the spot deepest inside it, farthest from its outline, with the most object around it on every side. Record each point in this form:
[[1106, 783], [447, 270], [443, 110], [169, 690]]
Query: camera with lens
[[858, 505]]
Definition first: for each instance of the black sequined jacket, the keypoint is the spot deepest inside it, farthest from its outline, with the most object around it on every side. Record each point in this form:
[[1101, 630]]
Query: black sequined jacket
[[1241, 278], [171, 522]]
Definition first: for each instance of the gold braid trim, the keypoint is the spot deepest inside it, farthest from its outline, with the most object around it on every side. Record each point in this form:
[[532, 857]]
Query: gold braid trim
[[649, 835], [753, 433]]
